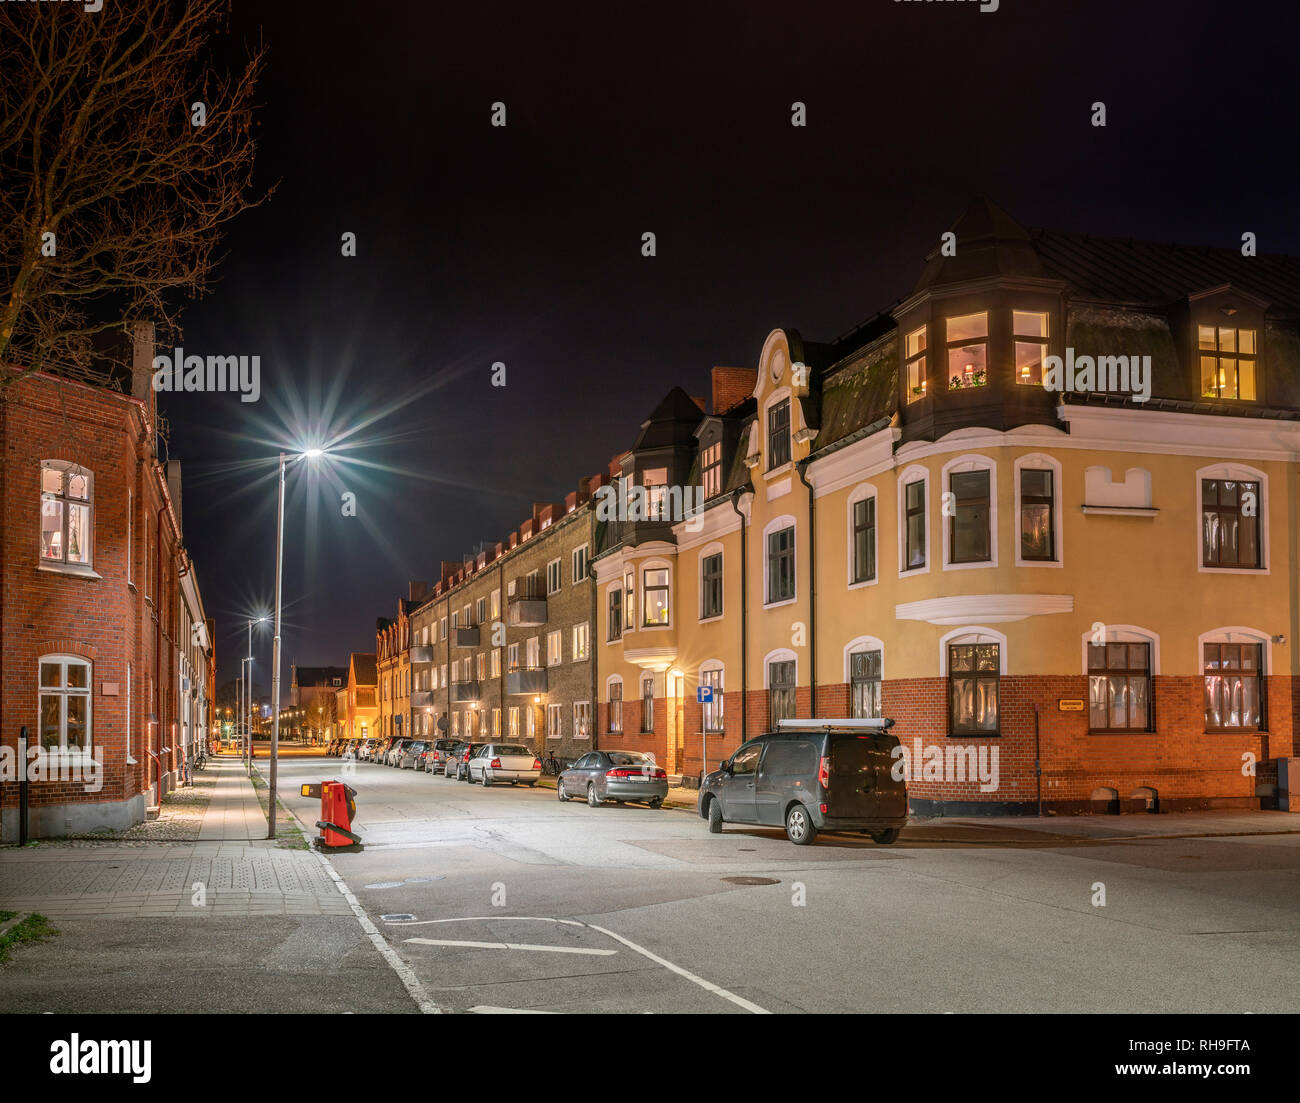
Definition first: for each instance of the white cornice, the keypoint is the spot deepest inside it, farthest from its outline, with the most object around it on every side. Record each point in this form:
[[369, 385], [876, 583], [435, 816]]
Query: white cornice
[[985, 608]]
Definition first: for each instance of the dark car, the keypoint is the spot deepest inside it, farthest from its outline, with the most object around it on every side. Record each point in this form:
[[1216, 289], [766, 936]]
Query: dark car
[[455, 759], [435, 755], [620, 776], [462, 767], [811, 776]]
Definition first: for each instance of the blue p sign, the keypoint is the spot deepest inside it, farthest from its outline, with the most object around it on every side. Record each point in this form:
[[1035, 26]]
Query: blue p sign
[[704, 695]]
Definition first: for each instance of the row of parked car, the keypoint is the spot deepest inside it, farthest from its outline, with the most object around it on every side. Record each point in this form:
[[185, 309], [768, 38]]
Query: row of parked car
[[599, 776]]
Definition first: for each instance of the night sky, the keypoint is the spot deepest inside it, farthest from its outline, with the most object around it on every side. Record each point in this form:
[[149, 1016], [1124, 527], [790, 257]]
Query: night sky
[[523, 245]]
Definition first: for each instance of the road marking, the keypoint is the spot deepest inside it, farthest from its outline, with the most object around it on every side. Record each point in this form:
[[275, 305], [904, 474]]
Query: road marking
[[485, 1009], [404, 972], [509, 946], [707, 985]]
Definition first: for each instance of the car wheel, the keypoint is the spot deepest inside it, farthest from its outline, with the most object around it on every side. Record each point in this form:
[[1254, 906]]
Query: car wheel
[[799, 828], [532, 785], [487, 781], [657, 802], [560, 794], [887, 836], [592, 799], [715, 816]]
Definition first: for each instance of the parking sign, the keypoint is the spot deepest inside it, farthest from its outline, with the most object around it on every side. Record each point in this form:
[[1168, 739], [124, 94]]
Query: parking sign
[[704, 695]]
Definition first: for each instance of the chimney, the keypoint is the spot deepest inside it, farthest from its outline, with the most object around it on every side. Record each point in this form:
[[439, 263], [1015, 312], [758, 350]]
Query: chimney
[[418, 590], [174, 489], [731, 386], [142, 353]]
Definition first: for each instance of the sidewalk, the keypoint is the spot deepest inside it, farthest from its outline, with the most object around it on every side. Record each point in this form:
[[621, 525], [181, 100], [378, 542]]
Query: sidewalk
[[1062, 830], [230, 869]]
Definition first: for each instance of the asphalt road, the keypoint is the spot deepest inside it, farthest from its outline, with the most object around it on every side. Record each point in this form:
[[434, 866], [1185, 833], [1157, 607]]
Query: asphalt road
[[507, 900]]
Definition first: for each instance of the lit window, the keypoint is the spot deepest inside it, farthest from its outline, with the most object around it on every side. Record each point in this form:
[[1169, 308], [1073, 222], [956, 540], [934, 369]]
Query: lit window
[[711, 711], [1119, 687], [554, 648], [973, 681], [656, 597], [580, 563], [655, 482], [554, 721], [915, 364], [1234, 695], [66, 495], [968, 351], [581, 719], [553, 576], [1227, 362], [864, 676], [64, 703], [581, 641], [711, 470], [648, 703], [1030, 330]]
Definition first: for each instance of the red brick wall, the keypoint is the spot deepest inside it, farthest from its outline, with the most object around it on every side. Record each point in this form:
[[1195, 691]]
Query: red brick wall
[[103, 619]]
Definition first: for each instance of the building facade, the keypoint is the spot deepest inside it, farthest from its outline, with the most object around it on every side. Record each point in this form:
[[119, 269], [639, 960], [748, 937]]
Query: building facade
[[502, 649], [357, 703], [106, 651], [1041, 510]]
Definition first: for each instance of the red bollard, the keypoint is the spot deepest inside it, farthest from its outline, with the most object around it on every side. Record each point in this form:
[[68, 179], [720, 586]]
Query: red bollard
[[337, 807]]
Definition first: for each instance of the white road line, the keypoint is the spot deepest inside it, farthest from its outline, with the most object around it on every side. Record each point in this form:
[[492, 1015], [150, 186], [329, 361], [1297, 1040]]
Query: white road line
[[404, 972], [708, 986], [509, 946], [485, 918], [486, 1009]]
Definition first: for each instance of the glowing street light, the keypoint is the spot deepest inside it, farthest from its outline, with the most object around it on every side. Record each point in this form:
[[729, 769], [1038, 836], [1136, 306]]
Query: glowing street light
[[311, 454]]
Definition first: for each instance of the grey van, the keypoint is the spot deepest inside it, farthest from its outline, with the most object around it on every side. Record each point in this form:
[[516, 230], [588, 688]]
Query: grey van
[[811, 776]]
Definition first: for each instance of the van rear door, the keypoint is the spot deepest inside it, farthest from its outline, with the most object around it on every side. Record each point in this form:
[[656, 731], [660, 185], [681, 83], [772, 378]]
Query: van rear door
[[862, 785]]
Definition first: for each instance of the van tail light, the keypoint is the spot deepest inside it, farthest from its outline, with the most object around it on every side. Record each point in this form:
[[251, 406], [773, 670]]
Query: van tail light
[[495, 764], [824, 773], [537, 763]]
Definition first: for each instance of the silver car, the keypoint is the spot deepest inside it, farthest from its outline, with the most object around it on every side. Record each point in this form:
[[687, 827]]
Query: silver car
[[512, 762], [620, 776]]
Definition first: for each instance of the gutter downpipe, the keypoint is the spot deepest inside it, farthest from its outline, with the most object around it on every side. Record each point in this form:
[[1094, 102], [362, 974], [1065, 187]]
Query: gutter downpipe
[[801, 467], [744, 613]]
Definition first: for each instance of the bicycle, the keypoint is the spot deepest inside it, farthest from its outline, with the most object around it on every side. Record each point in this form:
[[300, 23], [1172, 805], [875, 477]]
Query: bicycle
[[552, 766]]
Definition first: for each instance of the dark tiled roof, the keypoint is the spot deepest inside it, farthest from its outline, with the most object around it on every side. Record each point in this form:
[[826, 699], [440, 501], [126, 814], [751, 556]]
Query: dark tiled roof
[[363, 663], [1144, 273]]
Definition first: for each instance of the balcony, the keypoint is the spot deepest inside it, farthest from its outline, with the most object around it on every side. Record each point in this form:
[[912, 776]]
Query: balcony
[[464, 637], [422, 699], [526, 679], [463, 693], [526, 610], [422, 654]]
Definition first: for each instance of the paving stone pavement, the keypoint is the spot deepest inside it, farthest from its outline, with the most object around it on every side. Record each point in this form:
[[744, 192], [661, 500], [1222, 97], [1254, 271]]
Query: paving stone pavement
[[231, 870]]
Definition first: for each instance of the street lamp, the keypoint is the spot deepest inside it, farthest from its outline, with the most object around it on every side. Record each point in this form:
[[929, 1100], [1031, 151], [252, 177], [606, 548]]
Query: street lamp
[[311, 454], [248, 701]]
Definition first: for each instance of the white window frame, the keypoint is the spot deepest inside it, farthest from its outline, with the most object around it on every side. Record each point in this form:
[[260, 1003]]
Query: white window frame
[[555, 647], [785, 521], [581, 719], [581, 642], [622, 700], [973, 633], [775, 399], [861, 493], [653, 565], [615, 585], [558, 564], [970, 461], [575, 576], [914, 473], [1126, 633], [714, 666], [64, 467], [64, 660], [554, 721], [1237, 472], [1040, 461], [779, 655]]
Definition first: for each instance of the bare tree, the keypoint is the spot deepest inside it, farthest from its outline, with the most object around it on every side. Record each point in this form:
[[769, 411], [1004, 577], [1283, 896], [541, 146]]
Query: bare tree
[[123, 153]]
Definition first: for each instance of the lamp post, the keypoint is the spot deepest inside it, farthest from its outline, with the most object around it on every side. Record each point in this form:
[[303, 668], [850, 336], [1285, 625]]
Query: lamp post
[[310, 453], [248, 701], [241, 718]]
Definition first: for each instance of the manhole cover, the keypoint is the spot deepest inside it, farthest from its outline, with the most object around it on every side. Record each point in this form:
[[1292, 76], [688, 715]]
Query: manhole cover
[[399, 917], [751, 881], [385, 885]]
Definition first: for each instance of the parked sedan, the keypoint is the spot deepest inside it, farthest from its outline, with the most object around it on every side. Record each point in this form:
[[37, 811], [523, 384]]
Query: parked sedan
[[409, 754], [510, 762], [462, 772], [620, 776]]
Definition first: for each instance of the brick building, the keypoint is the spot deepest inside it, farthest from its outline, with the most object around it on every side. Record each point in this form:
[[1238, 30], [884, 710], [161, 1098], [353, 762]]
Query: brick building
[[1041, 508], [107, 654], [393, 662], [502, 647]]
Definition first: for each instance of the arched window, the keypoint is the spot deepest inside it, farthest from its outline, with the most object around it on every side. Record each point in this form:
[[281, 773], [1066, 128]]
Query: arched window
[[67, 497], [970, 513], [973, 660], [711, 674], [614, 703], [64, 704], [864, 671]]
